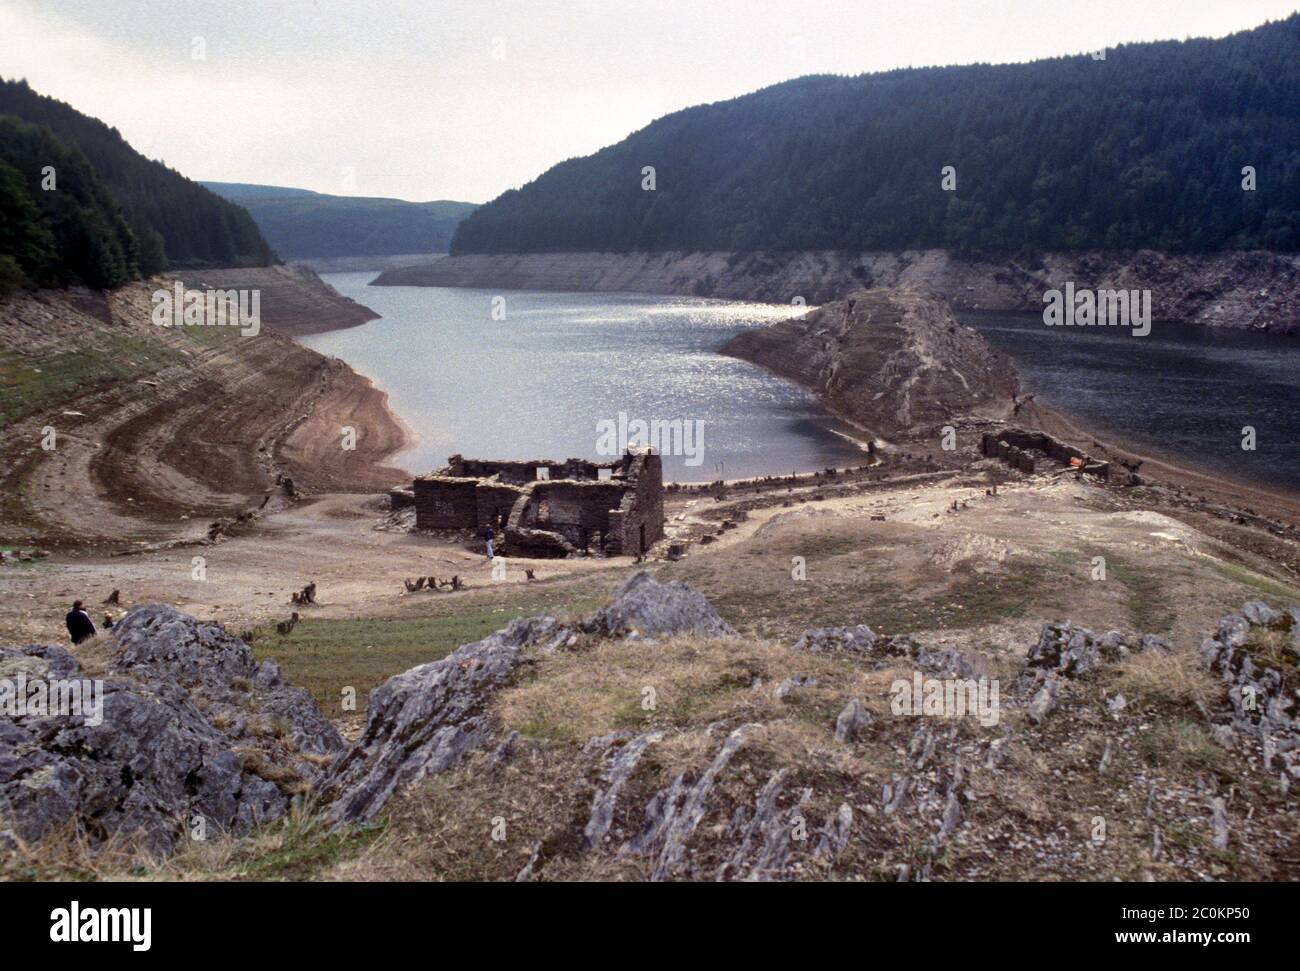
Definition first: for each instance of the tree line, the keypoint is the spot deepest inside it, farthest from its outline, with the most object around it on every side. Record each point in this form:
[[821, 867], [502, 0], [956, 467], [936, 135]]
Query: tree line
[[1179, 146], [79, 205]]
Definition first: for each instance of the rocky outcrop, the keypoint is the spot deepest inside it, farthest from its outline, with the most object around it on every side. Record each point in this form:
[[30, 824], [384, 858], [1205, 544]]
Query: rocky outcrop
[[422, 721], [1256, 653], [643, 607], [193, 736], [1071, 651], [1239, 289], [889, 361], [862, 643]]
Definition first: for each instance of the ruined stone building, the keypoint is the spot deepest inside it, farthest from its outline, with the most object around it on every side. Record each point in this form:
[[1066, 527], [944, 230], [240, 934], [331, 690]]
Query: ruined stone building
[[546, 508], [1024, 450]]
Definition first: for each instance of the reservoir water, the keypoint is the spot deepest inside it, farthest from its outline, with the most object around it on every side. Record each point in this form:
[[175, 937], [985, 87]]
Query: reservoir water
[[539, 381], [1183, 392]]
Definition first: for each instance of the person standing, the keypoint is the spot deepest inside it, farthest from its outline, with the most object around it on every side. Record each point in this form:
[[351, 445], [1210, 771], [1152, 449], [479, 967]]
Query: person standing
[[80, 626], [490, 536]]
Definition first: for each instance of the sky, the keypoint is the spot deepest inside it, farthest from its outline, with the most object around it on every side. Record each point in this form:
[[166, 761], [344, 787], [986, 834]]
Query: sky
[[464, 99]]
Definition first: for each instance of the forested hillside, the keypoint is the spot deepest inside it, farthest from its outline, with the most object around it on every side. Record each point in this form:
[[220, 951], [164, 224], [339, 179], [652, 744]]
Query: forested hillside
[[300, 223], [1142, 149], [174, 222], [73, 235]]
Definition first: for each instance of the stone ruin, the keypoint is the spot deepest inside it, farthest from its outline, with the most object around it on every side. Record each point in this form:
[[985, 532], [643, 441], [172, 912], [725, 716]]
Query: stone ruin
[[1023, 450], [545, 508]]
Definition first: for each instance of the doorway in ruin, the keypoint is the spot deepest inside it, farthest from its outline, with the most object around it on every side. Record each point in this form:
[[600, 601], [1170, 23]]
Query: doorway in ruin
[[643, 539]]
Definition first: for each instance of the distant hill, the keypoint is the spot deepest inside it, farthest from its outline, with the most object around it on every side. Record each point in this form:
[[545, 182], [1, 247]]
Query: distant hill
[[176, 223], [303, 224], [1144, 148]]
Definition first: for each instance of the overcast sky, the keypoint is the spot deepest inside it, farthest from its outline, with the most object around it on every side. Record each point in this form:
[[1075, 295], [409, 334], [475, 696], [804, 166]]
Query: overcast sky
[[421, 99]]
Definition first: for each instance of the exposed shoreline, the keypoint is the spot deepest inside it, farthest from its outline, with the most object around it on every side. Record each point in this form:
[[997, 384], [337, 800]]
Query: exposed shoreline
[[1234, 289], [160, 430]]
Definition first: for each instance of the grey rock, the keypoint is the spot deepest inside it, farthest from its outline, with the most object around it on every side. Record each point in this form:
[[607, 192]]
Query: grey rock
[[674, 813], [1262, 709], [178, 694], [791, 684], [1116, 705], [654, 610], [764, 845], [424, 720], [1044, 701], [1219, 823], [1261, 614], [863, 643], [860, 639], [894, 794], [835, 834], [620, 763], [1072, 651], [852, 721]]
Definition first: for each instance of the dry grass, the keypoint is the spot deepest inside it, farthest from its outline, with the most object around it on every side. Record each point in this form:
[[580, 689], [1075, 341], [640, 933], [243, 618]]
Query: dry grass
[[1176, 681]]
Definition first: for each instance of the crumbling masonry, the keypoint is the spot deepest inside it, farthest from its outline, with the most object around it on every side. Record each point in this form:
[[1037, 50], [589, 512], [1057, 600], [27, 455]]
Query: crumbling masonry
[[549, 509], [1022, 450]]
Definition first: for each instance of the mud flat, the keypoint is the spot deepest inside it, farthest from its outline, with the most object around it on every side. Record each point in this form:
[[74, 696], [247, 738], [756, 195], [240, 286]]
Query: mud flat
[[1244, 289], [156, 430]]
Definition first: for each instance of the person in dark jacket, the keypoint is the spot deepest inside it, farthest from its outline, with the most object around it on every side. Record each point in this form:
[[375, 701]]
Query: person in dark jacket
[[80, 626]]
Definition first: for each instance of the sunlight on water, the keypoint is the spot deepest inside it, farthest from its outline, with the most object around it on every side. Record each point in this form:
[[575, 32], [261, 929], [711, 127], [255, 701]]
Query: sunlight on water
[[538, 383]]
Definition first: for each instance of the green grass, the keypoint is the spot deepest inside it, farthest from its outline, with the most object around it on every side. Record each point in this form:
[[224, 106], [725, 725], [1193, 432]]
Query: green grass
[[1183, 745], [325, 656], [1149, 606], [1282, 593], [32, 385], [874, 597]]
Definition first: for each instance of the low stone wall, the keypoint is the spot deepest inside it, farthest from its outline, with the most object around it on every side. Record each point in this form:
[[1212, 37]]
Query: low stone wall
[[1018, 447]]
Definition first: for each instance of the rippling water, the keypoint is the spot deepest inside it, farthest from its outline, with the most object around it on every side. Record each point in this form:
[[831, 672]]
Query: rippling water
[[536, 384], [1182, 392]]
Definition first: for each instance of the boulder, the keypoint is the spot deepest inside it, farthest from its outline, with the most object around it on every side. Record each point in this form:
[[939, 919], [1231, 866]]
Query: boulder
[[424, 720], [654, 609], [178, 696], [1072, 651]]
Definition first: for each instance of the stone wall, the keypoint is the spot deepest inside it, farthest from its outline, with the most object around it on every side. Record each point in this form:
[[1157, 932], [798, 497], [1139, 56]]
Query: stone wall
[[574, 510], [524, 471], [578, 511], [1018, 448], [496, 500], [445, 502], [642, 505]]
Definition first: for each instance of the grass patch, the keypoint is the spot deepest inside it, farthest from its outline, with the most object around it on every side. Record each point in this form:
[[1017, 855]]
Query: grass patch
[[1148, 605], [1280, 592], [1182, 744], [33, 385], [326, 656]]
